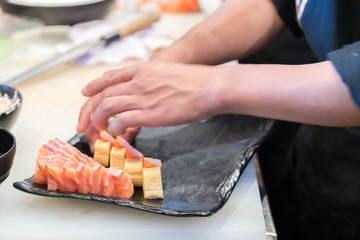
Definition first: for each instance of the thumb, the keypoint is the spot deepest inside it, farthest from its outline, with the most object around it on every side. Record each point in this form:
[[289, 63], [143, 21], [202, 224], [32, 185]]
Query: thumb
[[127, 123]]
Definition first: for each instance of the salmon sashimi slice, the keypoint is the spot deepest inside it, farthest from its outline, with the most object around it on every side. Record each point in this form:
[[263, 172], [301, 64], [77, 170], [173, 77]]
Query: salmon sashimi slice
[[55, 172], [131, 152], [64, 168], [107, 137], [121, 184], [67, 150], [75, 172], [41, 177], [120, 142], [41, 172], [152, 162]]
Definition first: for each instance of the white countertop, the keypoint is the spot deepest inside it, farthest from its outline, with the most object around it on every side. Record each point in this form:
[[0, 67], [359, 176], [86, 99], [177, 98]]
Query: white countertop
[[50, 109]]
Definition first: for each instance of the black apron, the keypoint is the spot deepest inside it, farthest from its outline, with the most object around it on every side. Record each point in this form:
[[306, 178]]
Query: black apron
[[312, 177], [311, 173]]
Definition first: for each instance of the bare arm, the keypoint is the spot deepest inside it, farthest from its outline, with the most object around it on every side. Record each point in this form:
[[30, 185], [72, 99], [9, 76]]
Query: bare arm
[[142, 95], [311, 93], [160, 93], [237, 29]]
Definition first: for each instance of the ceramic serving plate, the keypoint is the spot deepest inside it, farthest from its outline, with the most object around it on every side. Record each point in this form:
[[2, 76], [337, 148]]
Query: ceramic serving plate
[[202, 163]]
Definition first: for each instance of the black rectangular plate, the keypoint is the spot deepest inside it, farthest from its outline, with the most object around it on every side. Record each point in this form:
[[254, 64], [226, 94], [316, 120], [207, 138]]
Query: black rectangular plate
[[202, 162]]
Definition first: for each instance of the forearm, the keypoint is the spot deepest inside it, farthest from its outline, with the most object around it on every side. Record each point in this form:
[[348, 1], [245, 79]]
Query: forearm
[[313, 94], [213, 41]]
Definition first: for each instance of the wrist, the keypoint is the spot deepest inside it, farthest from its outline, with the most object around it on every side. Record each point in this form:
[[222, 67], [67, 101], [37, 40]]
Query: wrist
[[176, 53], [223, 90]]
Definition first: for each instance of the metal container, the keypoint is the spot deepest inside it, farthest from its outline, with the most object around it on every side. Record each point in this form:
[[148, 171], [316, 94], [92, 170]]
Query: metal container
[[66, 14]]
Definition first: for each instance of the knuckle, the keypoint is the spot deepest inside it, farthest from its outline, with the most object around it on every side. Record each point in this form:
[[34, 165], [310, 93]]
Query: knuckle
[[141, 66], [109, 77], [108, 74], [105, 105], [144, 69], [137, 85], [85, 107], [106, 93]]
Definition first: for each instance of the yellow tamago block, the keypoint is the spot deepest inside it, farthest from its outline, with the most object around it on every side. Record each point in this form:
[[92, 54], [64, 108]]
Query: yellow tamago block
[[134, 167], [102, 152], [137, 179], [117, 158], [152, 183]]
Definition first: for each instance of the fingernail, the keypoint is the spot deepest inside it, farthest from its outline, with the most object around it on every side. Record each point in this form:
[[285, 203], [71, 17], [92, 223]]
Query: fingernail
[[111, 127], [80, 127], [114, 128], [84, 91]]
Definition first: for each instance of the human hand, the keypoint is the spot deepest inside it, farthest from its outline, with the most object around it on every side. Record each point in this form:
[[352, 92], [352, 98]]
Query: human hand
[[92, 133], [149, 95]]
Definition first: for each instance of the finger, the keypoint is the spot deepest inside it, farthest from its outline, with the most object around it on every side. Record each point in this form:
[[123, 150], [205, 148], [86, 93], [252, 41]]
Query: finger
[[116, 90], [111, 106], [92, 134], [130, 134], [84, 117], [108, 79], [127, 120]]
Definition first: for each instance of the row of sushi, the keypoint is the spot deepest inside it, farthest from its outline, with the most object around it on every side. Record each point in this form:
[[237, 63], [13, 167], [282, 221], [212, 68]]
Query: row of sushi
[[117, 153], [113, 172]]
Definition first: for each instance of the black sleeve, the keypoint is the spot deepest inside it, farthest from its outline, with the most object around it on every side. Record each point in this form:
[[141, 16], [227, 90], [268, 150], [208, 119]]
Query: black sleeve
[[287, 11], [347, 63]]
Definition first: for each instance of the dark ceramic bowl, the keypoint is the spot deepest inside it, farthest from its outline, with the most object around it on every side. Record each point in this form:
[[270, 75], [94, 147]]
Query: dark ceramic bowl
[[7, 152], [69, 14], [9, 117]]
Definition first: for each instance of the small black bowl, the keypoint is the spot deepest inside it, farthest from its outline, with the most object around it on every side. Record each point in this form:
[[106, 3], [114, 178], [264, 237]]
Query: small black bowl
[[7, 153], [60, 14], [9, 117]]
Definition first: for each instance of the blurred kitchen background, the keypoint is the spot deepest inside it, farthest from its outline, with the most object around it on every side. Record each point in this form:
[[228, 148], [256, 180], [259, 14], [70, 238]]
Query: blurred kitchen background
[[32, 31]]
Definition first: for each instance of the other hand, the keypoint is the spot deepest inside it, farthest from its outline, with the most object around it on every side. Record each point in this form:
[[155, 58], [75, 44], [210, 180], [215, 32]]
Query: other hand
[[149, 95]]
